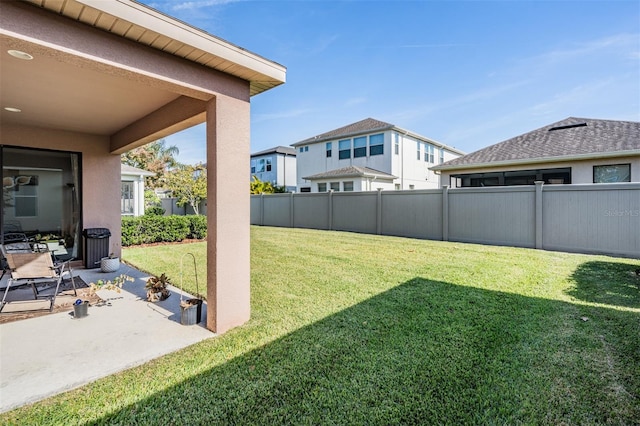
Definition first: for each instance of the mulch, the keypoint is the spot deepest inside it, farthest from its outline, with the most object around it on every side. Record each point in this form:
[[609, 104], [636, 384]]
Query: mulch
[[22, 306]]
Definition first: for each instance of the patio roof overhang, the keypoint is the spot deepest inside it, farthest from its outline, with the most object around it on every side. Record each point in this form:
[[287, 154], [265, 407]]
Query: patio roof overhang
[[79, 80]]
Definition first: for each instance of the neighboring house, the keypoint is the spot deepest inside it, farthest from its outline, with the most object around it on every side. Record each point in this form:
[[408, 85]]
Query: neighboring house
[[132, 184], [276, 165], [571, 151], [369, 155], [83, 81]]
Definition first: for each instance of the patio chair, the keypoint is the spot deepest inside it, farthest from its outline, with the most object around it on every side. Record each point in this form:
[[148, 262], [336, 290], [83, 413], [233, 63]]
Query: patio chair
[[31, 269]]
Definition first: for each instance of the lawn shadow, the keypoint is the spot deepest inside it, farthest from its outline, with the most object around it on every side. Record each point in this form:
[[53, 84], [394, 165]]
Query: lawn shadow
[[422, 352], [610, 283]]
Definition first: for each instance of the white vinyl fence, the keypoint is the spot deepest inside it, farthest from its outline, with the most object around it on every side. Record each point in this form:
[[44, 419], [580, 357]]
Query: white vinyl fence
[[599, 218]]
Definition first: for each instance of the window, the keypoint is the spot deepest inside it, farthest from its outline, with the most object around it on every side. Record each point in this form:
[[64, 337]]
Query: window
[[376, 144], [260, 168], [301, 149], [426, 153], [126, 201], [335, 186], [322, 187], [253, 166], [418, 152], [519, 177], [268, 164], [396, 145], [612, 173], [329, 145], [344, 147], [360, 147], [432, 154], [305, 189], [397, 186], [306, 149], [441, 155], [348, 186]]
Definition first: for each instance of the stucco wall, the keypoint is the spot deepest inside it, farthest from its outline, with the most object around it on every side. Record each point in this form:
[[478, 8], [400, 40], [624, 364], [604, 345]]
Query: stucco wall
[[100, 173]]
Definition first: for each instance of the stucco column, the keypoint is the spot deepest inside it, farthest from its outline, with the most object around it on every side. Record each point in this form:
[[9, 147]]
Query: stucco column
[[228, 213]]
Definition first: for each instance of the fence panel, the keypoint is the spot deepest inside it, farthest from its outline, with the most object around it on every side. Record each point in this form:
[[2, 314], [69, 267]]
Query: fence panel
[[276, 210], [592, 218], [414, 214], [500, 215], [355, 212], [311, 211]]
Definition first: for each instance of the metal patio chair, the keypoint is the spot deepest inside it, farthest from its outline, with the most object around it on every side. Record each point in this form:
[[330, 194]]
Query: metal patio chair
[[31, 269]]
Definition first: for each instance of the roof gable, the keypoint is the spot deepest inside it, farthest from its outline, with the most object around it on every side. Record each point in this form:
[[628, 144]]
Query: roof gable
[[351, 171], [572, 137]]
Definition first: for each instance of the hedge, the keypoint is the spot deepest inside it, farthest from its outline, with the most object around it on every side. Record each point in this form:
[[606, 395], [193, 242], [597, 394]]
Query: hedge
[[156, 229]]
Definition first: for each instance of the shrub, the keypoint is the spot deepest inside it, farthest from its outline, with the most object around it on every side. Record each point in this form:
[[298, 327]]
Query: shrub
[[154, 211], [155, 229], [197, 226]]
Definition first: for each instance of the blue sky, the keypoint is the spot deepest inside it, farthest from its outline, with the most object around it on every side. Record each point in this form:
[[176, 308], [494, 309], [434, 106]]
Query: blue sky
[[464, 73]]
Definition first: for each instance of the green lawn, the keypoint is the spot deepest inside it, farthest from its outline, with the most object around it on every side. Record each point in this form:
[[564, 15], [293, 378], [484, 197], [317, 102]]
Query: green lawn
[[360, 329]]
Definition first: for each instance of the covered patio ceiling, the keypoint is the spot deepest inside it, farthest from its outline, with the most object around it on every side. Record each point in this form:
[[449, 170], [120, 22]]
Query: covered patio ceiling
[[81, 90]]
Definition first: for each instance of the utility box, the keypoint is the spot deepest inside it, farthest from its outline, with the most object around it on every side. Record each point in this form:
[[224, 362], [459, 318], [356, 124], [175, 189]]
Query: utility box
[[96, 246]]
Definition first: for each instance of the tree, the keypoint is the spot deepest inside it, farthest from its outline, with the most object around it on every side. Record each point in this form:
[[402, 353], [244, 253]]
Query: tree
[[155, 157], [261, 187], [189, 185]]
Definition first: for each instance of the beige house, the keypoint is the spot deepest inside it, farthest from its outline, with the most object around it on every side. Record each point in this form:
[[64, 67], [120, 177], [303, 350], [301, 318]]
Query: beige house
[[571, 151], [83, 81]]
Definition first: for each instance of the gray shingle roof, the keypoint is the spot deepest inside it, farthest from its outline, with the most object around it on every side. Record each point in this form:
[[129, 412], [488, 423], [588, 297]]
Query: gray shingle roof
[[572, 137], [277, 150], [363, 126], [351, 171]]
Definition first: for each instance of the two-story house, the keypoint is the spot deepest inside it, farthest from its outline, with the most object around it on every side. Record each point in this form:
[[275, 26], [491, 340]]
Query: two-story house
[[369, 155], [276, 165]]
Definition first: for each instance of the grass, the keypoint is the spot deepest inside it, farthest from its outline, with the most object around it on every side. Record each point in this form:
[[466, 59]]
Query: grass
[[360, 329]]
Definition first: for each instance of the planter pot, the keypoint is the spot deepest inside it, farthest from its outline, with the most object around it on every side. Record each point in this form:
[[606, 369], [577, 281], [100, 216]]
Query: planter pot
[[109, 264], [81, 310], [188, 314]]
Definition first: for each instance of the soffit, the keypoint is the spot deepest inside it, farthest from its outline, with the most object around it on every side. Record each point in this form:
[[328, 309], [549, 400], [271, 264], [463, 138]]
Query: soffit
[[152, 28]]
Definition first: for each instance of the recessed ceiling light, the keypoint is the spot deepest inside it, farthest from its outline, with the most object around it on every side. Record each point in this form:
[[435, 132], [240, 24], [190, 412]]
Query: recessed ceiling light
[[12, 109], [20, 54]]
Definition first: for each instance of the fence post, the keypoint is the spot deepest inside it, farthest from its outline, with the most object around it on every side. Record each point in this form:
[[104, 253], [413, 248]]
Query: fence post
[[330, 192], [539, 186], [379, 213], [291, 222], [262, 209], [445, 213]]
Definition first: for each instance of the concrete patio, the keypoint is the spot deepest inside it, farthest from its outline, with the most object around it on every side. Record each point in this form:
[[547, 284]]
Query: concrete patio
[[47, 355]]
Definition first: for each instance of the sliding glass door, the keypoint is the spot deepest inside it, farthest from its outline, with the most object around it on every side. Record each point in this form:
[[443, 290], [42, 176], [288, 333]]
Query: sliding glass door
[[41, 198]]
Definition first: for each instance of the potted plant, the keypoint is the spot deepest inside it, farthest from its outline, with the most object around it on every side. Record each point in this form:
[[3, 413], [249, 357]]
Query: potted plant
[[80, 307], [110, 263], [157, 288]]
